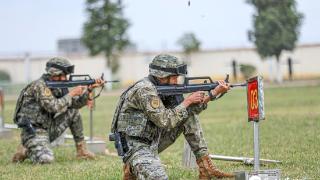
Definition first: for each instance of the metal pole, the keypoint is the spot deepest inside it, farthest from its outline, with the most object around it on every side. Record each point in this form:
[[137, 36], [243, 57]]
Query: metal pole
[[91, 116], [256, 145], [1, 120], [91, 125], [245, 160], [1, 109], [27, 67]]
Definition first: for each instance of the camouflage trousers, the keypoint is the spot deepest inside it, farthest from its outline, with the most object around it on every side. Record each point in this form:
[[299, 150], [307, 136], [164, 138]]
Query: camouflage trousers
[[37, 145], [144, 159]]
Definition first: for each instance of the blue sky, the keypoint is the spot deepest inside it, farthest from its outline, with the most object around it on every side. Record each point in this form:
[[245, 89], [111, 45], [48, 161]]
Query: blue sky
[[36, 25]]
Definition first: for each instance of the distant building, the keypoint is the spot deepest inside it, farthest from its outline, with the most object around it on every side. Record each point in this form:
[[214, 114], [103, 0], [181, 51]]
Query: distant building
[[134, 65], [71, 46]]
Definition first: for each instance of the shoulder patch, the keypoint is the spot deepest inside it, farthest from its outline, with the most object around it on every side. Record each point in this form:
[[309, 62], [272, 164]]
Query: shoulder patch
[[155, 102], [47, 92]]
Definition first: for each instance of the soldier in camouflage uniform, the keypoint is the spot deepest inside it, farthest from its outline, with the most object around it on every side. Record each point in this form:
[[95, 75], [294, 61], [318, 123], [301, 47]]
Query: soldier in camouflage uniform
[[43, 114], [148, 123]]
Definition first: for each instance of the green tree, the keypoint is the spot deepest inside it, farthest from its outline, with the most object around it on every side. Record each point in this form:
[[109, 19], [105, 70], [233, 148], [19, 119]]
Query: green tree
[[106, 30], [189, 44], [4, 76], [247, 70], [276, 28]]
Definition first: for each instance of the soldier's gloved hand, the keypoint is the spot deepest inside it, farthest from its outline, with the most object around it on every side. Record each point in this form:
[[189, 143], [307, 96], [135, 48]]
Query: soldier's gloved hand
[[77, 91], [194, 98], [223, 87]]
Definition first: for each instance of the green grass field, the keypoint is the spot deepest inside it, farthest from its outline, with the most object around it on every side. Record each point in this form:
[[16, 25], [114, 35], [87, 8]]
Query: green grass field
[[290, 133]]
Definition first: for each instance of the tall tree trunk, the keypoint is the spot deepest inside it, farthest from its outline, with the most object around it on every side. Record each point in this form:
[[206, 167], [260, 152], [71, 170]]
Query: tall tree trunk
[[279, 77]]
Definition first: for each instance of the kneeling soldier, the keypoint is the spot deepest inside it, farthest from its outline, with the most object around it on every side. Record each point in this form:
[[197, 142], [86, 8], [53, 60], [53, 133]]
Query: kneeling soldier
[[147, 124], [43, 114]]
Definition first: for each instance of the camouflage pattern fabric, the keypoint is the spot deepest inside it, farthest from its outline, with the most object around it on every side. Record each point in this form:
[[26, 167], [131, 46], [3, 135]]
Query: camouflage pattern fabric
[[37, 146], [165, 61], [143, 112], [146, 164], [192, 132], [150, 128], [49, 115]]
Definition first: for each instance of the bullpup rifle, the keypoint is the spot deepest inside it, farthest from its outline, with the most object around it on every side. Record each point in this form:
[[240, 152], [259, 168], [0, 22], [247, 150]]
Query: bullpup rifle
[[186, 87], [77, 80]]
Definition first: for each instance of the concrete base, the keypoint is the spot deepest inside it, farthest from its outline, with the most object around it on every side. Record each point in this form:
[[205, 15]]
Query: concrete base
[[270, 174], [5, 133], [97, 147]]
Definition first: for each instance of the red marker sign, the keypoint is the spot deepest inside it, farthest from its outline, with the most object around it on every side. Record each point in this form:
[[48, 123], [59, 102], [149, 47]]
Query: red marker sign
[[255, 99]]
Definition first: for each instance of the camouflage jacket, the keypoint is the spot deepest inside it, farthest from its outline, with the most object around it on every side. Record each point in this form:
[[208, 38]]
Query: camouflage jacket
[[141, 113], [40, 105]]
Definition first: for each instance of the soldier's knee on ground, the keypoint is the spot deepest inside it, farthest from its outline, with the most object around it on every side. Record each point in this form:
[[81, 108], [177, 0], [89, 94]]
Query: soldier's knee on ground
[[41, 155], [153, 176], [158, 177], [150, 171], [45, 159]]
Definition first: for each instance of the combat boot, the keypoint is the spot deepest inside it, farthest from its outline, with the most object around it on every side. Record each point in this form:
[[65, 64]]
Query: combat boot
[[127, 174], [20, 155], [82, 152], [208, 170]]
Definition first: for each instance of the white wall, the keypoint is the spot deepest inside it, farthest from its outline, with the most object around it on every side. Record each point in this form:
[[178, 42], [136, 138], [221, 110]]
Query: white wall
[[134, 66], [93, 66]]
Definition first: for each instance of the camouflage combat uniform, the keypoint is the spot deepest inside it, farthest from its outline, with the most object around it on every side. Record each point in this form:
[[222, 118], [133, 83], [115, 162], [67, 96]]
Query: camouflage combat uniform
[[148, 123], [50, 112], [150, 128]]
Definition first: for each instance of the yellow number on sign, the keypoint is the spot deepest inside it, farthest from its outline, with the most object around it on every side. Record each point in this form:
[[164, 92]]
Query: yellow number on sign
[[254, 99]]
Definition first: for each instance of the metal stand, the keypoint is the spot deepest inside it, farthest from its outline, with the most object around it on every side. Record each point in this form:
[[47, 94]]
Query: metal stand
[[91, 123], [257, 174], [94, 146], [244, 160], [4, 133], [255, 105], [256, 145]]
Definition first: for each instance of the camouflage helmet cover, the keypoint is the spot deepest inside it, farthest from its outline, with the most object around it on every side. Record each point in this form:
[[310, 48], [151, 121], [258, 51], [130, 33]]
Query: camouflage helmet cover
[[58, 65], [165, 65]]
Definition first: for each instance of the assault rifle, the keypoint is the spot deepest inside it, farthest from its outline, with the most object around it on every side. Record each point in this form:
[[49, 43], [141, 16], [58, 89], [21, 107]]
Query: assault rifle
[[75, 80], [186, 87]]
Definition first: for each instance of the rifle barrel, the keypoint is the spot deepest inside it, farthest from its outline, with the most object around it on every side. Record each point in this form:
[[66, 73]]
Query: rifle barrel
[[238, 85], [113, 81]]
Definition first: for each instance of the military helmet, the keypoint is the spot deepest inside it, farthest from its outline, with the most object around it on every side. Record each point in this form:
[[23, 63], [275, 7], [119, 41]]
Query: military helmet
[[165, 65], [58, 65]]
